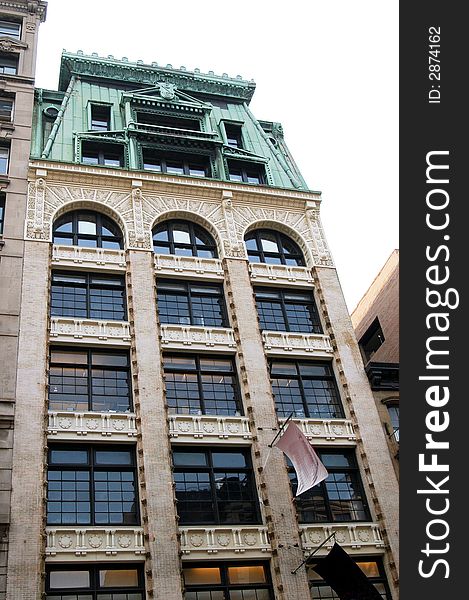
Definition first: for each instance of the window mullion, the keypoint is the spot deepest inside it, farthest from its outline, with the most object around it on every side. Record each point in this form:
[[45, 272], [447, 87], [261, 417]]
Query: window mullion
[[200, 385], [90, 380], [88, 295], [302, 390], [213, 486], [189, 301]]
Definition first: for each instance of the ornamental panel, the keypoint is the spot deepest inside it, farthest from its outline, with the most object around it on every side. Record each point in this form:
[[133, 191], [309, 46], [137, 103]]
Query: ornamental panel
[[355, 538], [88, 258], [280, 274], [296, 344], [94, 426], [188, 266], [89, 331], [225, 542], [326, 431], [94, 543], [193, 337], [209, 429]]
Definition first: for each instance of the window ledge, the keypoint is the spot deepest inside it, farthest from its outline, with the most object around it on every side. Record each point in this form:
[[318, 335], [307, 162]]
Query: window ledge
[[193, 337], [355, 537], [95, 426], [86, 331], [214, 429], [287, 343], [97, 258], [323, 432], [218, 541]]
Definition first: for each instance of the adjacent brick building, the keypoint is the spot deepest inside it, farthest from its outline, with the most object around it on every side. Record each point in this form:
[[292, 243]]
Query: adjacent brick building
[[179, 301]]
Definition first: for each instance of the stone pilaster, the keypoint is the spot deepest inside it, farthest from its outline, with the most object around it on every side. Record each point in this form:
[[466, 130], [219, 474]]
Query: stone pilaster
[[154, 456], [273, 481]]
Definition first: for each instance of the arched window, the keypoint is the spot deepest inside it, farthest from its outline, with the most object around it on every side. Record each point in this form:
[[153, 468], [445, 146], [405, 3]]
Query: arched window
[[272, 247], [88, 229], [183, 238]]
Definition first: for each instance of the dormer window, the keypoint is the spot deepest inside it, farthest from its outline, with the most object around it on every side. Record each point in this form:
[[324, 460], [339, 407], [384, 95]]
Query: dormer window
[[174, 163], [108, 155], [148, 118], [100, 117], [10, 28], [233, 135], [246, 172]]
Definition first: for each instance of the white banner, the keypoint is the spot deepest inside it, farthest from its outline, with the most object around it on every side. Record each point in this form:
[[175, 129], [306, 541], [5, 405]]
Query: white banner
[[309, 469]]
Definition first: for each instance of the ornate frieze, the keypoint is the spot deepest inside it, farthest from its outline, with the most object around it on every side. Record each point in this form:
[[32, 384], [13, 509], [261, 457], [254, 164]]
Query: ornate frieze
[[86, 331], [209, 429], [116, 427], [193, 337], [297, 344], [326, 431], [356, 538], [94, 543], [224, 542]]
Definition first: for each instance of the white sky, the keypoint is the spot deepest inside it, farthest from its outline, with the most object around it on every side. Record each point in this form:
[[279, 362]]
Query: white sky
[[327, 70]]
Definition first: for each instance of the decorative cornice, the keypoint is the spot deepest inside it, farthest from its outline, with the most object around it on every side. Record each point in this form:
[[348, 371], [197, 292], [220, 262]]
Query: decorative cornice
[[9, 44], [27, 6], [138, 73]]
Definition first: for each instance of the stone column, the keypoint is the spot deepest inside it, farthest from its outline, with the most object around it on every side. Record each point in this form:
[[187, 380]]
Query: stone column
[[27, 497], [372, 451], [273, 480], [154, 452]]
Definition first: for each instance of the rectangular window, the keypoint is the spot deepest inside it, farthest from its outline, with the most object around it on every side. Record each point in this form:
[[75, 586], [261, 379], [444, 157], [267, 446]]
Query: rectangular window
[[220, 581], [371, 340], [10, 28], [108, 155], [198, 385], [4, 159], [187, 303], [339, 498], [233, 135], [83, 379], [2, 211], [6, 108], [100, 117], [283, 310], [148, 118], [246, 172], [114, 581], [373, 569], [215, 487], [176, 164], [8, 64], [306, 389], [87, 485], [88, 295]]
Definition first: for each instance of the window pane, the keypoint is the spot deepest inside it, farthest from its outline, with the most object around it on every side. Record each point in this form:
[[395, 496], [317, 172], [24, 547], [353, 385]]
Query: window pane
[[72, 457], [251, 574], [69, 358], [369, 568], [118, 578], [181, 235], [202, 575], [69, 579], [113, 457], [229, 459], [64, 228], [87, 225], [269, 243], [188, 459], [111, 360]]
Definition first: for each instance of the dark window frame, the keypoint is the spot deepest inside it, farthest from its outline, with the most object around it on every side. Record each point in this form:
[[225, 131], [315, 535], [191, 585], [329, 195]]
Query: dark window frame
[[189, 292], [247, 172], [9, 64], [168, 121], [92, 467], [280, 238], [5, 159], [12, 22], [374, 333], [188, 163], [89, 375], [211, 470], [381, 579], [336, 406], [7, 114], [283, 301], [100, 221], [199, 372], [320, 490], [234, 134], [193, 246], [88, 286], [3, 206], [225, 585], [102, 152], [94, 589], [97, 123]]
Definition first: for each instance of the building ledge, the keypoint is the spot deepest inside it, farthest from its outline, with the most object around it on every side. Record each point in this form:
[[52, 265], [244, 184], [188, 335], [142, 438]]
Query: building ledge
[[95, 426], [189, 266], [218, 542], [280, 274], [291, 344], [75, 257], [355, 538], [195, 338], [68, 330], [383, 376], [326, 431], [209, 429]]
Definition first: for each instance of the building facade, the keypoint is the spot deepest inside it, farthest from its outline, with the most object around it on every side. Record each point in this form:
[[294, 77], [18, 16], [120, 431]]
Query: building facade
[[376, 324], [179, 302], [19, 24]]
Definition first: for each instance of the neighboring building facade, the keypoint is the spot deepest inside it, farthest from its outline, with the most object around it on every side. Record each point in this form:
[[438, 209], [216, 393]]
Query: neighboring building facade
[[19, 25], [376, 324], [179, 301]]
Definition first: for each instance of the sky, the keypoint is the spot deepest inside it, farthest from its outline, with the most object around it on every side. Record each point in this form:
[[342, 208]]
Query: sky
[[327, 70]]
